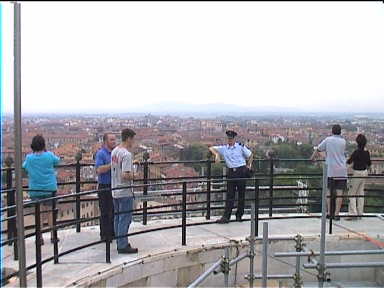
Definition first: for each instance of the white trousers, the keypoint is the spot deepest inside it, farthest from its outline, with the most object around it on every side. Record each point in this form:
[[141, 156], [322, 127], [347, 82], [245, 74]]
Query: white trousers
[[356, 204]]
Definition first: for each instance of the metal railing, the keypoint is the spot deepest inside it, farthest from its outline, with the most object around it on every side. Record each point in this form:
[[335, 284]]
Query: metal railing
[[225, 263], [182, 206]]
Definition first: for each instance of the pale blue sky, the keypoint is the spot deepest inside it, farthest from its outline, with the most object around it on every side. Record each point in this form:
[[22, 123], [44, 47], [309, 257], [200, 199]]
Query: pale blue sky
[[120, 56]]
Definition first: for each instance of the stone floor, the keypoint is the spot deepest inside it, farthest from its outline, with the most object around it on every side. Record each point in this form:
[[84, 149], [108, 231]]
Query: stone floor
[[88, 261]]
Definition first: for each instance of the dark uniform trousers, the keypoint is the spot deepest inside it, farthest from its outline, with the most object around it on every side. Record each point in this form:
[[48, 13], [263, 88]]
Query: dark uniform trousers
[[106, 211], [233, 186]]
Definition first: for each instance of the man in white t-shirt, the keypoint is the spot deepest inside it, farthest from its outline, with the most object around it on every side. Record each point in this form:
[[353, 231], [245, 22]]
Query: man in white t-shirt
[[122, 176], [334, 147]]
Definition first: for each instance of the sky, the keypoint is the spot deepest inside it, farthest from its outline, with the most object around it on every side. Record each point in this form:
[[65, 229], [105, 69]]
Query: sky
[[126, 56]]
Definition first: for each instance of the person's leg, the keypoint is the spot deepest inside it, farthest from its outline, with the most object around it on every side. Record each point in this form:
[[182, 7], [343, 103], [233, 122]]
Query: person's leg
[[229, 203], [329, 200], [50, 218], [352, 200], [116, 205], [360, 200], [339, 201], [44, 217], [106, 211], [110, 214], [241, 199], [129, 204], [124, 221], [103, 206]]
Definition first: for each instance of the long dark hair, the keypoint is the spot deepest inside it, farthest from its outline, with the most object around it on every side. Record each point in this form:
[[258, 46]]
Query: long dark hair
[[361, 141]]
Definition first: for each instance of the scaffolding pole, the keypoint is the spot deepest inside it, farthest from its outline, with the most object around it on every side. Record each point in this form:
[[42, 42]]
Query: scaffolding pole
[[251, 241], [264, 266], [321, 267], [205, 275], [18, 152]]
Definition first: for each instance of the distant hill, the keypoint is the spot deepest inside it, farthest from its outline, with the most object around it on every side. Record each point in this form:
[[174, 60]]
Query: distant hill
[[213, 109]]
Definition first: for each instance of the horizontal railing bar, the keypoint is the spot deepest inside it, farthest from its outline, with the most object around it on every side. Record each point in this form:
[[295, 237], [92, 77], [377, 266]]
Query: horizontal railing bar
[[345, 265], [273, 276], [328, 253]]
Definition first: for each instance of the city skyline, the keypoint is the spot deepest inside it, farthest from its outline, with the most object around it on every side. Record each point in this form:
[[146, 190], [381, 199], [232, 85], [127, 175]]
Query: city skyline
[[279, 57]]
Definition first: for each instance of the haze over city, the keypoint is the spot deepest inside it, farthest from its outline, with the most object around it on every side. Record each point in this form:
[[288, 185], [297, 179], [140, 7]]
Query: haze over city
[[148, 57]]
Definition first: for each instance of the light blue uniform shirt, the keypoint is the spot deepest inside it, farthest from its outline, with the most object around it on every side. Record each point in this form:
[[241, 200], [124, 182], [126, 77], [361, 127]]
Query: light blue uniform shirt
[[334, 147], [41, 173], [234, 156]]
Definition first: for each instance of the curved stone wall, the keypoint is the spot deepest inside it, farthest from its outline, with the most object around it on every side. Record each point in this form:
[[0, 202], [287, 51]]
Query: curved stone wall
[[180, 267]]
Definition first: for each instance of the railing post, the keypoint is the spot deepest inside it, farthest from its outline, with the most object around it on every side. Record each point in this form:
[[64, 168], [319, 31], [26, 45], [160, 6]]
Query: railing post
[[78, 211], [209, 166], [145, 189], [332, 205], [184, 216], [54, 232], [270, 185], [39, 240], [257, 204]]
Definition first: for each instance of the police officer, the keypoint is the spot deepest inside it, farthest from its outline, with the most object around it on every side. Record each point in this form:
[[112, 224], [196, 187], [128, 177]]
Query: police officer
[[238, 159]]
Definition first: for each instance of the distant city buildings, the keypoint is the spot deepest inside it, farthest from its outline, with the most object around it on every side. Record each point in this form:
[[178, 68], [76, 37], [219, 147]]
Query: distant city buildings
[[165, 138]]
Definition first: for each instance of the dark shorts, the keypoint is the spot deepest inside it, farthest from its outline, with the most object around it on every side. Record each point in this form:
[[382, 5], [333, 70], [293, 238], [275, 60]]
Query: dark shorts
[[339, 184]]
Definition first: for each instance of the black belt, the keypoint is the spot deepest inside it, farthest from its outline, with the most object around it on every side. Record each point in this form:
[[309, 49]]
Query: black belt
[[236, 168]]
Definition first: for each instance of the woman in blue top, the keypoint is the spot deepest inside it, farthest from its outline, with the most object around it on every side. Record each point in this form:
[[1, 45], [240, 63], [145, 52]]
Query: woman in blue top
[[40, 167]]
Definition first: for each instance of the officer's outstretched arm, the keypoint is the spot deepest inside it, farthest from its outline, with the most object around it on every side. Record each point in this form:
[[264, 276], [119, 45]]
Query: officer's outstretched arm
[[249, 161], [216, 153]]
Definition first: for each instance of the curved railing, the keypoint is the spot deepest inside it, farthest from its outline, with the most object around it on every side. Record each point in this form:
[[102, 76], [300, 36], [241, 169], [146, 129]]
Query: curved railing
[[265, 190]]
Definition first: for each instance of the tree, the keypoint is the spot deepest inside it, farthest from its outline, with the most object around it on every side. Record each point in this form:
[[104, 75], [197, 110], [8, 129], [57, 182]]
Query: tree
[[193, 152]]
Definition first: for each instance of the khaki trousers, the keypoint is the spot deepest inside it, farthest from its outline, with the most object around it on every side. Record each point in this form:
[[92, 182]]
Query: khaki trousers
[[356, 204]]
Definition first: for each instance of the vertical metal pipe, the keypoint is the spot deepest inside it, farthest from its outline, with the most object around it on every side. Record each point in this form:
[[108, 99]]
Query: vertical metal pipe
[[264, 267], [252, 245], [323, 227], [257, 204], [54, 232], [226, 268], [145, 191], [38, 241], [332, 206], [297, 275], [184, 216], [78, 211], [270, 186], [18, 146], [209, 166]]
